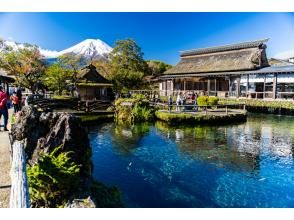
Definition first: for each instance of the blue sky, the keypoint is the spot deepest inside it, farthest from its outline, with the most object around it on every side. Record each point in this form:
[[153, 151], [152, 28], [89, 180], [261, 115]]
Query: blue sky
[[160, 35]]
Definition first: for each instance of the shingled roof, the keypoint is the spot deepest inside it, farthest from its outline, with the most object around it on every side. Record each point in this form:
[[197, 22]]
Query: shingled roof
[[234, 57]]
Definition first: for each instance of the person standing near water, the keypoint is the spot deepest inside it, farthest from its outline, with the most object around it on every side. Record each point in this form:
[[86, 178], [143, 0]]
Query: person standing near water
[[179, 100], [170, 102], [3, 107], [19, 96], [15, 102]]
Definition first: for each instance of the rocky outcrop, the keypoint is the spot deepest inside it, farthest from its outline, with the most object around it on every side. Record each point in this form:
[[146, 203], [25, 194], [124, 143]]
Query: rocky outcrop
[[44, 131]]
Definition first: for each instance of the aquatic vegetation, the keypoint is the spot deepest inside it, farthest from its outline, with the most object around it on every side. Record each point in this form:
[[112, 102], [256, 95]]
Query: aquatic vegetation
[[178, 118], [132, 110]]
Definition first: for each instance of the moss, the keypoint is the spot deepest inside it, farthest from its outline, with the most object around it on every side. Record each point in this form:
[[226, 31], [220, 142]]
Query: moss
[[179, 118]]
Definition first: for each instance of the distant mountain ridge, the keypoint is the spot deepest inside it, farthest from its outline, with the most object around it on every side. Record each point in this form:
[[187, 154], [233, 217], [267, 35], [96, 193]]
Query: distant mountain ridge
[[89, 48]]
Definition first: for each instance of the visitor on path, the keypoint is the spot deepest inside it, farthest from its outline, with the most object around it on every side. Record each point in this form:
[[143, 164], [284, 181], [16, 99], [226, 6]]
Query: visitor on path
[[194, 102], [19, 96], [179, 101], [184, 101], [170, 102], [3, 107], [15, 102], [26, 102]]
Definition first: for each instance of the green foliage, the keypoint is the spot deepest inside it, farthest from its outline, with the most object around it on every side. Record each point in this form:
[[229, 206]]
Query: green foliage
[[26, 65], [207, 101], [56, 78], [138, 96], [275, 104], [53, 179], [202, 100], [137, 110], [186, 118], [157, 68], [127, 65], [213, 100]]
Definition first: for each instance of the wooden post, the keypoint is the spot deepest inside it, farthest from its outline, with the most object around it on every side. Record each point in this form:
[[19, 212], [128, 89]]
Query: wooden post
[[264, 82], [208, 87], [230, 88], [19, 195], [215, 87], [238, 87], [275, 86], [247, 85], [184, 84]]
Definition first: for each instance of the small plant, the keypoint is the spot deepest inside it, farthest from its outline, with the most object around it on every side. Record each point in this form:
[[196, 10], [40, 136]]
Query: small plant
[[213, 100], [53, 179]]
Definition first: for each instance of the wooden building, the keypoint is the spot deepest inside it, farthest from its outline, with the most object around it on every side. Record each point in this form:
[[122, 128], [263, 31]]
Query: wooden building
[[5, 81], [91, 86], [236, 70]]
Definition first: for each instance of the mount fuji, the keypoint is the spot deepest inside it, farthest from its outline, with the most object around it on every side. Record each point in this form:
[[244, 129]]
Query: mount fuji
[[89, 49]]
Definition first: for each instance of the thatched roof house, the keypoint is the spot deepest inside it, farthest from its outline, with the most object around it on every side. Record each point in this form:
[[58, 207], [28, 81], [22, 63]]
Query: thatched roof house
[[92, 86], [235, 57], [235, 70]]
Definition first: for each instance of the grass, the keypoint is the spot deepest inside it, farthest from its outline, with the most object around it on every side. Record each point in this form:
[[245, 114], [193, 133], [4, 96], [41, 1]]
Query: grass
[[181, 118], [273, 104]]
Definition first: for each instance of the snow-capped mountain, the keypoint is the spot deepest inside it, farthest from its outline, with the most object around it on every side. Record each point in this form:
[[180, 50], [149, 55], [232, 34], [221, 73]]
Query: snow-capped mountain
[[89, 48]]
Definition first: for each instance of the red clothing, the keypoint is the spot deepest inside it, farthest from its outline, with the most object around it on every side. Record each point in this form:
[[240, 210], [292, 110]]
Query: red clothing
[[3, 100], [14, 99]]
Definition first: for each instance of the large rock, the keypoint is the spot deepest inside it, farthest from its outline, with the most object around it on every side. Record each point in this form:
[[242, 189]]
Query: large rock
[[44, 132]]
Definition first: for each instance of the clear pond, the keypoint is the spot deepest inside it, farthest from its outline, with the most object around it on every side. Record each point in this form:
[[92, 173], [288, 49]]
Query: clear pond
[[244, 165]]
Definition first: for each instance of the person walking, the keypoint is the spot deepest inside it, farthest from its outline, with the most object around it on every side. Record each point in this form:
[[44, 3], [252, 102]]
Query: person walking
[[170, 102], [19, 96], [184, 102], [3, 107], [179, 101], [15, 102], [193, 98]]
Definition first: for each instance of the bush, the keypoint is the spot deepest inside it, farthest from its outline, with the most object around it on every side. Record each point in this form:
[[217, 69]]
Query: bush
[[202, 100], [138, 96], [213, 100], [53, 180]]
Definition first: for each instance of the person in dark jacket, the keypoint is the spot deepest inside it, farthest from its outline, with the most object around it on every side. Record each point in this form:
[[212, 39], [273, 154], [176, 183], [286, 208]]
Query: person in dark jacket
[[3, 107], [19, 96]]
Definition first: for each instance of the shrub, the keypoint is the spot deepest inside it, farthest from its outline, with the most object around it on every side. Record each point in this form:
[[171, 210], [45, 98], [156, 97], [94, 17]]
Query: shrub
[[138, 96], [53, 180], [202, 100], [213, 100]]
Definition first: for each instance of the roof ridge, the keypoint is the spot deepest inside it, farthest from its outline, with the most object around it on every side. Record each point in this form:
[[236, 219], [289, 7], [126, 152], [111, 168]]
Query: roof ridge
[[240, 45]]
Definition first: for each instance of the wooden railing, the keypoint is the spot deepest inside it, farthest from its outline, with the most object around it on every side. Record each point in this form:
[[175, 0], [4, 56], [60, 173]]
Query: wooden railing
[[19, 195], [226, 108]]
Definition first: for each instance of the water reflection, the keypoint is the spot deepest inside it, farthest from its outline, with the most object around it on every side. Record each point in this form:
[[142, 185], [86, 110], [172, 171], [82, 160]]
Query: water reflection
[[245, 165]]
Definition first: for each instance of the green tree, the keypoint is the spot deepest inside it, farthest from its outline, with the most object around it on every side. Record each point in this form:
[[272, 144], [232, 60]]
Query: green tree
[[157, 67], [72, 63], [26, 65], [127, 65], [56, 78]]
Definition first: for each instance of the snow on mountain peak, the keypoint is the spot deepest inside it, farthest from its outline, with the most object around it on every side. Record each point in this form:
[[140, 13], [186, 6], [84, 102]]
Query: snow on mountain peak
[[89, 48]]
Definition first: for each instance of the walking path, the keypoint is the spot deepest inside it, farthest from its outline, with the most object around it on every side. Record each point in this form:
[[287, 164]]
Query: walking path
[[4, 170], [5, 164]]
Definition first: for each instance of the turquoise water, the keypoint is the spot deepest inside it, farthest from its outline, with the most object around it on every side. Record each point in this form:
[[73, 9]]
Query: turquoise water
[[244, 165]]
